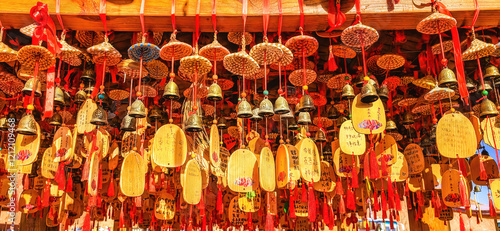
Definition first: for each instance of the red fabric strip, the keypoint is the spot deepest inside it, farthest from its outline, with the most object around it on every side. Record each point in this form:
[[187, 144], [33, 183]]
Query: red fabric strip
[[280, 18], [358, 12], [265, 16], [214, 15], [301, 8], [197, 23], [102, 14], [141, 15], [172, 15], [58, 13], [244, 14]]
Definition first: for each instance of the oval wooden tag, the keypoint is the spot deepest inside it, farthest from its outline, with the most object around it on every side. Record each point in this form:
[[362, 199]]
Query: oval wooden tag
[[327, 181], [388, 147], [250, 203], [495, 192], [214, 146], [84, 117], [165, 206], [350, 140], [450, 188], [27, 201], [477, 126], [344, 163], [132, 180], [256, 144], [62, 144], [192, 192], [27, 147], [399, 170], [267, 176], [455, 136], [415, 183], [309, 161], [300, 207], [114, 156], [170, 146], [368, 118], [415, 157], [282, 166], [236, 216], [93, 180], [49, 167], [241, 167], [293, 157], [106, 139], [129, 141], [490, 166]]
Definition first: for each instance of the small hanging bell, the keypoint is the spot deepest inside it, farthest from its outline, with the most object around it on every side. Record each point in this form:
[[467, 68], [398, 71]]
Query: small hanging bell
[[327, 150], [266, 108], [3, 124], [488, 108], [390, 126], [244, 109], [99, 117], [477, 189], [359, 80], [56, 119], [27, 125], [222, 123], [59, 97], [292, 124], [306, 103], [80, 97], [470, 84], [256, 117], [491, 72], [407, 119], [28, 87], [88, 74], [333, 113], [67, 99], [368, 93], [288, 115], [487, 87], [320, 136], [171, 91], [155, 113], [214, 92], [128, 124], [383, 93], [304, 118], [447, 78], [281, 106], [347, 92], [194, 123], [137, 109]]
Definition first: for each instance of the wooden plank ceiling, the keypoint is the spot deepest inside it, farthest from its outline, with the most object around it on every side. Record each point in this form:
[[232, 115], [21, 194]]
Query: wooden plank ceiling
[[123, 15]]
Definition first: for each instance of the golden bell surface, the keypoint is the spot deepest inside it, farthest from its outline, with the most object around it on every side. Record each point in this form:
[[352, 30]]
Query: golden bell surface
[[80, 97], [304, 118], [244, 109], [407, 119], [27, 125], [155, 113], [306, 103], [59, 97], [333, 113], [256, 116], [488, 108], [214, 92], [222, 124], [359, 80], [383, 93], [266, 108], [477, 188], [447, 78], [347, 92], [491, 72], [368, 93], [29, 85], [99, 117], [137, 109], [128, 124], [288, 115], [3, 124], [171, 91], [470, 84], [292, 124], [67, 99], [487, 87], [194, 123], [56, 120], [390, 125], [88, 74], [281, 106], [320, 136]]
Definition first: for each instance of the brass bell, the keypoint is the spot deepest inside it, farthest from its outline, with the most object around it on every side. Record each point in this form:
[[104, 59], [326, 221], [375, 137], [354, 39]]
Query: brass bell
[[56, 120], [80, 97], [297, 108], [137, 109], [383, 93], [306, 103], [347, 92], [155, 113], [288, 115], [327, 150], [292, 124], [59, 97], [447, 78], [304, 118], [88, 74], [99, 117], [255, 117], [67, 99], [333, 113], [194, 123], [359, 80], [491, 72], [487, 87], [320, 136], [390, 125], [425, 142], [27, 125], [488, 108], [368, 93], [244, 109], [477, 188], [281, 106], [28, 87], [222, 124], [407, 119], [3, 124], [214, 92], [171, 91], [128, 124], [266, 108], [470, 84]]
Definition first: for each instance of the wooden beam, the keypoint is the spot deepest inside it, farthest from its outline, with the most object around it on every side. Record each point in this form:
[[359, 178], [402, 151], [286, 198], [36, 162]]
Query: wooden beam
[[123, 15]]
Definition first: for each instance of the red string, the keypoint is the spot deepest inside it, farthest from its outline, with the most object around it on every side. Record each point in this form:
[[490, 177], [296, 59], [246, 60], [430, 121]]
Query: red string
[[172, 15], [214, 15], [265, 16], [102, 14], [244, 14], [58, 13], [476, 13], [141, 15], [280, 18], [358, 12], [197, 23], [12, 98], [301, 8]]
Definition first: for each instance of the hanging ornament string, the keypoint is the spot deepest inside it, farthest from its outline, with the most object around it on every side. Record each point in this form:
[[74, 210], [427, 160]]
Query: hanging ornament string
[[265, 22], [141, 16], [197, 25], [102, 15], [301, 9], [280, 19], [358, 12], [59, 18], [214, 15], [335, 19], [214, 24]]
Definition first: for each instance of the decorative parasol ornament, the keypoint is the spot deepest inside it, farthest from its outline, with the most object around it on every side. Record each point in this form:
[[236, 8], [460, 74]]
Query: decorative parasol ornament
[[157, 36], [29, 29], [145, 51], [69, 54], [390, 61], [105, 53], [266, 52], [195, 64], [359, 35], [439, 93], [297, 77], [261, 72], [337, 82], [7, 54], [174, 49], [478, 49], [237, 37], [302, 45], [157, 69], [240, 63], [436, 23], [214, 51], [29, 55], [130, 68], [427, 82], [343, 51], [371, 64], [447, 45], [89, 38]]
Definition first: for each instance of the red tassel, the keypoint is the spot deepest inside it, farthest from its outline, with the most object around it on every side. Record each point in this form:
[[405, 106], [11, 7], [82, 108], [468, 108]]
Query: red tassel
[[250, 222], [464, 200], [86, 221], [351, 204], [482, 170], [303, 197], [376, 206], [461, 161], [374, 172], [367, 225], [85, 170], [332, 66], [291, 205], [122, 217], [46, 195], [390, 194], [26, 184], [366, 166], [396, 199], [60, 177], [203, 223], [391, 220], [220, 209], [69, 185], [354, 178], [342, 209], [493, 212], [326, 218], [383, 201], [383, 165], [338, 187], [462, 223], [269, 222], [111, 188], [311, 205]]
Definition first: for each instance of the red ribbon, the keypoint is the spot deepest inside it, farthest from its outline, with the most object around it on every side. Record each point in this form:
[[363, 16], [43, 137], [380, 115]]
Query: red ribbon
[[244, 14], [58, 13], [335, 19], [280, 18], [197, 24], [102, 14], [265, 16], [172, 15], [358, 12], [301, 9], [214, 15], [141, 16]]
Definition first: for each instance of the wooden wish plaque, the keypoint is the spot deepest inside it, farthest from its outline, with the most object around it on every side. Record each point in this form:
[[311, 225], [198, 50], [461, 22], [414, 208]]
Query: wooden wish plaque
[[164, 206], [93, 181], [214, 146], [236, 216], [351, 141], [309, 161], [129, 141], [450, 188], [490, 166], [344, 163], [27, 201], [49, 166], [169, 146], [192, 174], [368, 118], [132, 180], [327, 181], [62, 144], [224, 158], [240, 171], [495, 192], [84, 117], [415, 157], [282, 166], [250, 202], [300, 207], [455, 136], [293, 158], [27, 147], [399, 170], [477, 127], [386, 148], [267, 176]]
